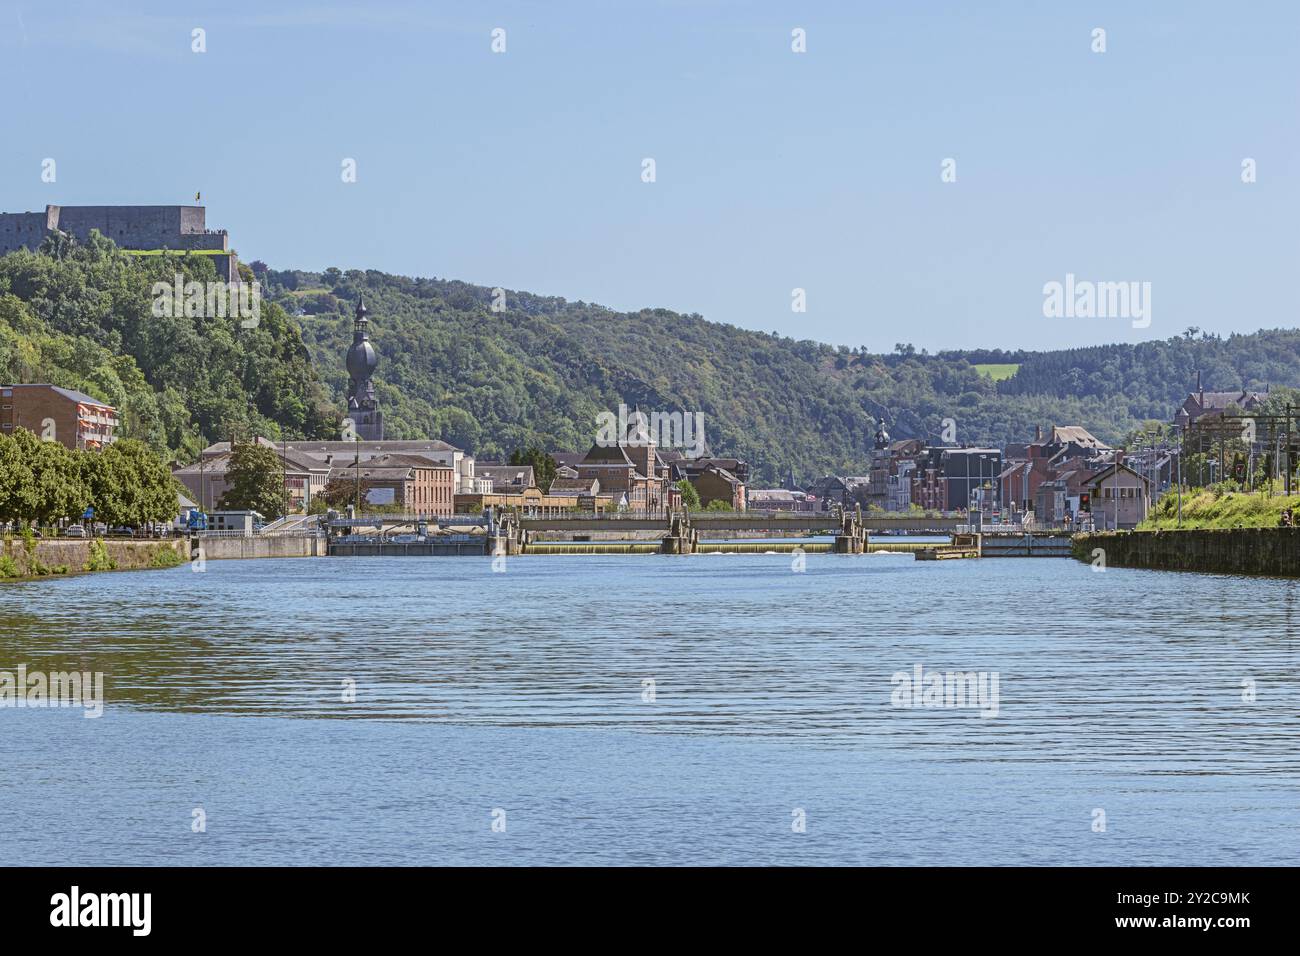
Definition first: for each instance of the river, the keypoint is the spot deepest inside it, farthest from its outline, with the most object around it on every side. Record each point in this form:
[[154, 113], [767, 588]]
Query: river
[[709, 709]]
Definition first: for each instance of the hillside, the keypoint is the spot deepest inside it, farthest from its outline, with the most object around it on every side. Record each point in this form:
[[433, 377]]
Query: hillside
[[81, 316], [539, 372]]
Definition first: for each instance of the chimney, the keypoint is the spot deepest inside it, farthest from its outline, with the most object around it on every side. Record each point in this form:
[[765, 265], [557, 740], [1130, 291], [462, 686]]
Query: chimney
[[1038, 433]]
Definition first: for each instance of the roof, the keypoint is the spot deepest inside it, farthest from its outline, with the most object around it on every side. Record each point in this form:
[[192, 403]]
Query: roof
[[575, 486], [401, 461], [516, 475], [1062, 434], [775, 494], [213, 465], [699, 465], [216, 463], [396, 473], [607, 455], [347, 450], [71, 394], [1105, 473], [720, 472], [1221, 400]]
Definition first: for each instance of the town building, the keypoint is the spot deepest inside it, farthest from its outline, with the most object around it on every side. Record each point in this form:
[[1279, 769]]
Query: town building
[[929, 489], [506, 479], [781, 499], [630, 470], [205, 479], [1065, 450], [718, 484], [713, 478], [688, 468], [1059, 501], [412, 484], [72, 418], [840, 491], [1201, 404], [339, 453], [970, 477], [1120, 497]]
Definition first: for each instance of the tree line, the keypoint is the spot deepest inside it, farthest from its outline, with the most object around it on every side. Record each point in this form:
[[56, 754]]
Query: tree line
[[45, 482]]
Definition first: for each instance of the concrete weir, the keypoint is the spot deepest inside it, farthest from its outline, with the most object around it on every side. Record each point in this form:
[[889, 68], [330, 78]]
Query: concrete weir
[[498, 532]]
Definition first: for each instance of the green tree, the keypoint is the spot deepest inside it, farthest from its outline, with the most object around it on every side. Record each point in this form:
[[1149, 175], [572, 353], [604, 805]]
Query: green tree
[[17, 487], [254, 481], [690, 497], [57, 490], [544, 466], [130, 485]]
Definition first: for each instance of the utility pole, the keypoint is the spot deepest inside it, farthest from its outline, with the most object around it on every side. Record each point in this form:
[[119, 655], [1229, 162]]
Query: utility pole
[[356, 489], [1287, 426]]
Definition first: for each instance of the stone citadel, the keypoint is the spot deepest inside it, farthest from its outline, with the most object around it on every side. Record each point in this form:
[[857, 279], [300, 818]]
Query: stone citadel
[[141, 228]]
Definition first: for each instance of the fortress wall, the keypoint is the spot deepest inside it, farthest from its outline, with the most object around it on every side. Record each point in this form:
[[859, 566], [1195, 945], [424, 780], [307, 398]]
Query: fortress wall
[[193, 219], [19, 230], [131, 227]]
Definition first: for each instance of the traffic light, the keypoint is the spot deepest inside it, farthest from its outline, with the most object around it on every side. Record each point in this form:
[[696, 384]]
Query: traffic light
[[1085, 503]]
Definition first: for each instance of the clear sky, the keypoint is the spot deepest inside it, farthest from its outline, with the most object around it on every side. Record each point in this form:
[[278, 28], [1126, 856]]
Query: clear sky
[[775, 170]]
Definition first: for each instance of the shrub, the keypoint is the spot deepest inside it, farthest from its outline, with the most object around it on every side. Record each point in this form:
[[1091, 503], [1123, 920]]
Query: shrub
[[99, 559]]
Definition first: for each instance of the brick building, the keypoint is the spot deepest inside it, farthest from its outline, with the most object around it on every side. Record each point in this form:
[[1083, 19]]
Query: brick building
[[71, 418], [414, 483]]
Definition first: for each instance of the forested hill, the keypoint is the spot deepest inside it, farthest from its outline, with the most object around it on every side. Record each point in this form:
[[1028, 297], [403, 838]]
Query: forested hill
[[81, 316], [538, 373]]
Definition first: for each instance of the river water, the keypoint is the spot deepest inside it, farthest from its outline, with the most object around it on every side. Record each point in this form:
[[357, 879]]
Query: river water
[[651, 709]]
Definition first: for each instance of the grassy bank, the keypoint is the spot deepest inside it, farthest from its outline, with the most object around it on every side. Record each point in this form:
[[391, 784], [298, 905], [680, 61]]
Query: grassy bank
[[1219, 508]]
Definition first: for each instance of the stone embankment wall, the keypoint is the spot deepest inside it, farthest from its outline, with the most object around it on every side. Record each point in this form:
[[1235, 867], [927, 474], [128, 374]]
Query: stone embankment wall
[[58, 556], [73, 555], [1274, 551], [275, 546]]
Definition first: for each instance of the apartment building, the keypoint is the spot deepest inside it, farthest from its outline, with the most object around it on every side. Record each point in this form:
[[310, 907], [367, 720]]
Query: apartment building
[[72, 418]]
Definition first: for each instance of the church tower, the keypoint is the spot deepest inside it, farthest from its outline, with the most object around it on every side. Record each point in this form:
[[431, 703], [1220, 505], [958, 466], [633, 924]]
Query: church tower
[[362, 361]]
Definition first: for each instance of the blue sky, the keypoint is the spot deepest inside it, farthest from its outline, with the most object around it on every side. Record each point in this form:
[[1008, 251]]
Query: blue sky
[[774, 170]]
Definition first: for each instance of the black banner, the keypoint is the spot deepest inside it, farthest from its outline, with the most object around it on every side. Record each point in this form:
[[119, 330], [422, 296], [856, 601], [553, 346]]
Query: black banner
[[949, 907]]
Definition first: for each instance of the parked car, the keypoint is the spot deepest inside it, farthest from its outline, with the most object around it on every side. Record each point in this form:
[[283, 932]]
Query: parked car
[[122, 531], [74, 531]]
